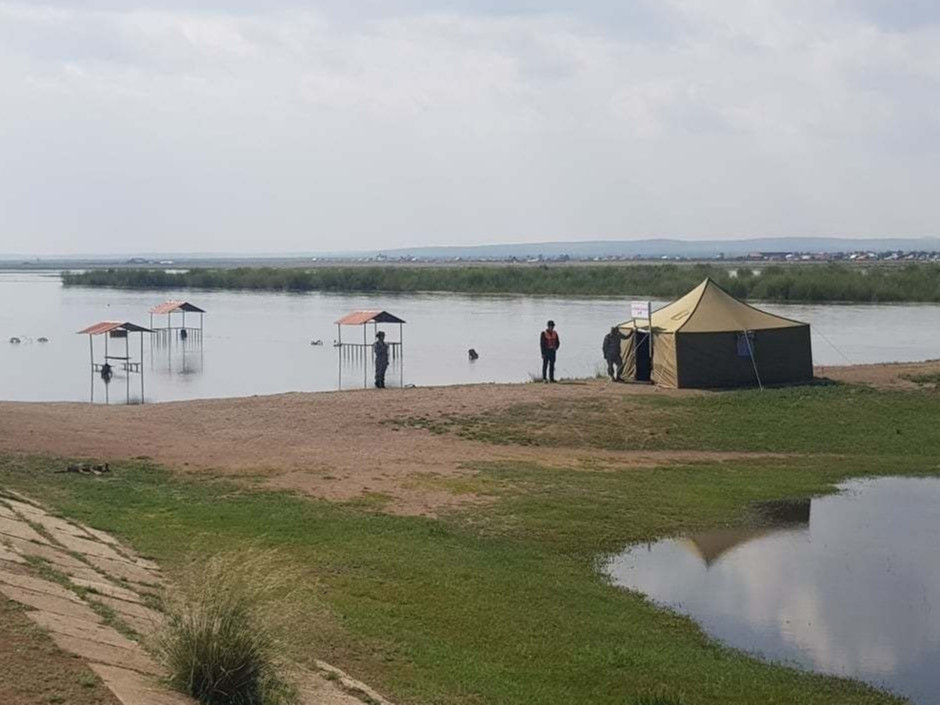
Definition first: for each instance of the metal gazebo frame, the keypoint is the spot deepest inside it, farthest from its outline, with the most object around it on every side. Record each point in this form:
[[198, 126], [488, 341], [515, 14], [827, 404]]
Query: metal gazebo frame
[[168, 308], [364, 318], [117, 329], [363, 351]]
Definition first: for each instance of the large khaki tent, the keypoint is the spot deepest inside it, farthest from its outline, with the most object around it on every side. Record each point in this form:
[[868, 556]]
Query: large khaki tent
[[710, 339]]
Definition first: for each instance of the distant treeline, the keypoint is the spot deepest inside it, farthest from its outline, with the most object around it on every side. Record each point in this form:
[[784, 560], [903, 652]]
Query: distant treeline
[[914, 282]]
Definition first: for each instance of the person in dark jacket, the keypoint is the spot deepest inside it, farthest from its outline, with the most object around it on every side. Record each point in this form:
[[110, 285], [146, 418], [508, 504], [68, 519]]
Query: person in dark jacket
[[549, 342], [380, 350], [611, 348]]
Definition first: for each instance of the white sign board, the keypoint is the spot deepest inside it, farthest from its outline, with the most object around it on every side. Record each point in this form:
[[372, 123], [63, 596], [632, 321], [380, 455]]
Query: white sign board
[[640, 309]]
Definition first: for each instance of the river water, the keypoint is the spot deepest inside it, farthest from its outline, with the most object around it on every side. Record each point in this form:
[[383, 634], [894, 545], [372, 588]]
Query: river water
[[847, 584], [259, 343]]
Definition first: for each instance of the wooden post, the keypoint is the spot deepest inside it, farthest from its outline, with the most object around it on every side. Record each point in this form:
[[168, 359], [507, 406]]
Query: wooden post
[[142, 366], [127, 367]]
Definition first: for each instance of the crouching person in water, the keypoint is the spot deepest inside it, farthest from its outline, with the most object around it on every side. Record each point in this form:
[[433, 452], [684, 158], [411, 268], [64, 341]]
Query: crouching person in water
[[611, 348], [380, 351]]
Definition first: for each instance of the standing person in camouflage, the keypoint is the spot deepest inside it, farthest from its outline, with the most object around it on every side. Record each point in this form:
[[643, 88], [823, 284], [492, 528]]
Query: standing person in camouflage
[[380, 352], [611, 349]]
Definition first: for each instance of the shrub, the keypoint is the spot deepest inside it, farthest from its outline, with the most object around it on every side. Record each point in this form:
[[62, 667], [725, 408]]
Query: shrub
[[216, 643]]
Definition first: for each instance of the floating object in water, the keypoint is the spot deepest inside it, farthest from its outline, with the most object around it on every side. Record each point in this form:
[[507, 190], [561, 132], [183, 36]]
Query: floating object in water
[[43, 339], [473, 354], [15, 340], [317, 342]]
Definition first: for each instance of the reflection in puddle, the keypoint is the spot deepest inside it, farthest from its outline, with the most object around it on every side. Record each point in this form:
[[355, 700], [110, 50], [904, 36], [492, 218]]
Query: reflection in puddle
[[845, 584]]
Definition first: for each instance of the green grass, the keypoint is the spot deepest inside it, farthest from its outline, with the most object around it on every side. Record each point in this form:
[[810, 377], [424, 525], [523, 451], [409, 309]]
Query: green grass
[[494, 605], [831, 419], [913, 282], [932, 380], [502, 603]]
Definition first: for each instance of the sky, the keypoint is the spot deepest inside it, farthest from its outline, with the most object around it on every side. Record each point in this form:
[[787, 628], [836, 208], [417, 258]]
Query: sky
[[287, 126]]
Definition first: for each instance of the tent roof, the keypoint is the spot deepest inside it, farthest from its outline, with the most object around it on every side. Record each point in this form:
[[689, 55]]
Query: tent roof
[[108, 326], [710, 309], [171, 306], [358, 318], [712, 545]]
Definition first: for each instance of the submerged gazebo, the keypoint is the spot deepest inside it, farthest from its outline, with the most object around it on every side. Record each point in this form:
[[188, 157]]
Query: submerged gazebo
[[168, 308], [117, 330], [363, 319]]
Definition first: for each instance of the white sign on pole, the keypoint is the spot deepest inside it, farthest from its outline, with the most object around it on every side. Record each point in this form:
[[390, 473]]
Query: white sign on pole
[[640, 309]]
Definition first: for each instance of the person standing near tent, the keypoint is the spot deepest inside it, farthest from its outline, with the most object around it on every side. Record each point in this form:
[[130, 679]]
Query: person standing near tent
[[380, 351], [611, 349], [549, 342]]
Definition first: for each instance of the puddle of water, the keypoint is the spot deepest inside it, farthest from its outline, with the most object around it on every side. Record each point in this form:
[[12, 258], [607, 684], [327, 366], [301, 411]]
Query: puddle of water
[[847, 584]]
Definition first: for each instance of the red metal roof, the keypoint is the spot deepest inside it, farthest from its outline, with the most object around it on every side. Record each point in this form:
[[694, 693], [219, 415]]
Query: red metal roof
[[358, 318], [171, 306], [108, 326]]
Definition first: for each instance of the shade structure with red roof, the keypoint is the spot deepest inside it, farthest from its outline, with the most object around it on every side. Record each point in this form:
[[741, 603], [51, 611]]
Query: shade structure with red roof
[[119, 330], [359, 318], [168, 308], [109, 326], [362, 352], [174, 306]]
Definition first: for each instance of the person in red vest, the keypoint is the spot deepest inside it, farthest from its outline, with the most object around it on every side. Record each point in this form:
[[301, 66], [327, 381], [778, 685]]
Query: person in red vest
[[550, 342]]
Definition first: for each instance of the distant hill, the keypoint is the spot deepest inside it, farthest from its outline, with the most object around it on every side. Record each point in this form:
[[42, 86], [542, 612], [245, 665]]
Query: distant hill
[[578, 250], [665, 248]]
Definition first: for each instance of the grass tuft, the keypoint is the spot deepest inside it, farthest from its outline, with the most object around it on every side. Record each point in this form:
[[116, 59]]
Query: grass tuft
[[929, 380], [217, 644]]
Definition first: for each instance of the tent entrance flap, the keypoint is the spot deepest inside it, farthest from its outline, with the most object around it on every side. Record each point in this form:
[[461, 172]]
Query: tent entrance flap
[[641, 351]]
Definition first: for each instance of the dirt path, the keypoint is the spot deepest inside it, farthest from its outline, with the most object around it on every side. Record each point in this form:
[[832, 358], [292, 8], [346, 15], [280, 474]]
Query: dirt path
[[338, 445], [885, 376]]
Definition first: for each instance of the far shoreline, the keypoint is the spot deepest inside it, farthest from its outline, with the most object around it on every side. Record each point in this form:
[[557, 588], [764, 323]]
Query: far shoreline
[[790, 283]]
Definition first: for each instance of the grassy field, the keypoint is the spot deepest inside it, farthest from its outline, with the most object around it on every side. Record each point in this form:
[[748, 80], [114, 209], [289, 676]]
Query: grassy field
[[835, 282], [831, 419], [501, 603]]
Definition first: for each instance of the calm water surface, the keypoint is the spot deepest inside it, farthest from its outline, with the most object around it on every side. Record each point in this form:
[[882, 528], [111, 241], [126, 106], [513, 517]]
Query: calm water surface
[[847, 584], [259, 343]]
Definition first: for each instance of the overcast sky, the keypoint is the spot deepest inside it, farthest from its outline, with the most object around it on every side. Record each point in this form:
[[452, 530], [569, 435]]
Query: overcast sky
[[237, 125]]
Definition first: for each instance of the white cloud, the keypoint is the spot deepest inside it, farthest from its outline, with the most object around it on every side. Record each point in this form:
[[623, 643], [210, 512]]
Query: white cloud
[[299, 128]]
